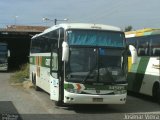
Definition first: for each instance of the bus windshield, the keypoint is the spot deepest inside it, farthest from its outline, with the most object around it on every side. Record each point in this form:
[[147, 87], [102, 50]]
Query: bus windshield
[[95, 56], [95, 65]]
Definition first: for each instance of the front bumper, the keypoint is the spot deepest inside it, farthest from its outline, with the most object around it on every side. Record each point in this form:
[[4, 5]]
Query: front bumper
[[73, 98]]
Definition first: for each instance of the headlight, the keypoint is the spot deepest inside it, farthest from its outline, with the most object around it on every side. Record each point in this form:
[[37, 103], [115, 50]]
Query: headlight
[[73, 90], [120, 91]]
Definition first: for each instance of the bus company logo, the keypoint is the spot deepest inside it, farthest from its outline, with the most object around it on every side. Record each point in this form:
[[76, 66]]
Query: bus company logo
[[96, 27], [116, 87], [156, 66]]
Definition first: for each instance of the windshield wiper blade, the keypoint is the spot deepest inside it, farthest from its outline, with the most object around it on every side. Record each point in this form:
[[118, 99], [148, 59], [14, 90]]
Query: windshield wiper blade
[[90, 72]]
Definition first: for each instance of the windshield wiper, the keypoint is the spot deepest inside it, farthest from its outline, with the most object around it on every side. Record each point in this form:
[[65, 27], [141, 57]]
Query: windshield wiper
[[90, 72]]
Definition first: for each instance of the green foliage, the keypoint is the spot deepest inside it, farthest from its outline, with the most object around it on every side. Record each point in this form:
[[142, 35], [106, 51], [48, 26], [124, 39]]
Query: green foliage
[[20, 75], [128, 28]]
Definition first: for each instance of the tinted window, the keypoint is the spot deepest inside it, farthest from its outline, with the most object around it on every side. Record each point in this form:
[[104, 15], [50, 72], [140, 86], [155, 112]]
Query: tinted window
[[96, 38], [146, 45], [143, 46], [155, 46], [42, 44]]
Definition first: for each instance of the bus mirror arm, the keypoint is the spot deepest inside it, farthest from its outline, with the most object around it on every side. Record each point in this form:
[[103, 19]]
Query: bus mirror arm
[[133, 51], [65, 51]]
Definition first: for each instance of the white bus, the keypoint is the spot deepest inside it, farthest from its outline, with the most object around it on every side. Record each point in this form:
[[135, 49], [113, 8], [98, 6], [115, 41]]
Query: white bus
[[78, 63], [144, 75], [4, 55]]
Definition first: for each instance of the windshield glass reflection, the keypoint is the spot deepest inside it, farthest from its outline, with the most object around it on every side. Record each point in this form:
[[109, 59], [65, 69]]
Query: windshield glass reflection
[[95, 65]]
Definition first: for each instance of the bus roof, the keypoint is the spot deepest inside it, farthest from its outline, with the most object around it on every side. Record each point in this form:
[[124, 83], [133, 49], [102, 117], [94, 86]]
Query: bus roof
[[80, 26], [142, 32]]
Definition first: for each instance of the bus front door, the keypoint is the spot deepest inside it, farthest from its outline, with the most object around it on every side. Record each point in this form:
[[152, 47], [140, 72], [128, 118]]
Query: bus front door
[[54, 81], [54, 88]]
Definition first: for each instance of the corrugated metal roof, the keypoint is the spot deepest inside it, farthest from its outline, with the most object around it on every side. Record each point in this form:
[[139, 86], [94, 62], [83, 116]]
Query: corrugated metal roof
[[17, 28]]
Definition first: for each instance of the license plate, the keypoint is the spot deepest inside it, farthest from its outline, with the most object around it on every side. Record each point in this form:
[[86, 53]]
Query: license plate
[[97, 99]]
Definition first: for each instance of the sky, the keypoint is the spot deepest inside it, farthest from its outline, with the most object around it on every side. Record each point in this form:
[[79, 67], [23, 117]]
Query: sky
[[121, 13]]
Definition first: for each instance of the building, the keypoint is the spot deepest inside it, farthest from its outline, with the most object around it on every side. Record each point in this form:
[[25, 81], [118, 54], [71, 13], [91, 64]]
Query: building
[[18, 39]]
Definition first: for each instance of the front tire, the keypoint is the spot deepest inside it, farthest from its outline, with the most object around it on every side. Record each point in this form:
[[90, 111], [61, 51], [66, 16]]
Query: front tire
[[158, 95], [156, 92], [58, 103]]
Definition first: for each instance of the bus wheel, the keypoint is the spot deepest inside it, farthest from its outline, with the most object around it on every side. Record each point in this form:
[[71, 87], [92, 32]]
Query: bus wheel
[[158, 95], [156, 92], [58, 103], [34, 83]]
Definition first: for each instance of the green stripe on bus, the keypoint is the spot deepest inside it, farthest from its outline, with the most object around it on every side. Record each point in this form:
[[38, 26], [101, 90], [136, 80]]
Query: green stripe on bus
[[70, 86], [143, 65], [137, 82], [43, 62], [134, 67], [135, 79], [131, 77], [31, 60], [97, 87], [141, 72]]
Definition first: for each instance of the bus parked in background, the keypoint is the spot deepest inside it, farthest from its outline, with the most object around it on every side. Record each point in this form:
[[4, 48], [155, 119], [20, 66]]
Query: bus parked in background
[[4, 54], [144, 75], [79, 63]]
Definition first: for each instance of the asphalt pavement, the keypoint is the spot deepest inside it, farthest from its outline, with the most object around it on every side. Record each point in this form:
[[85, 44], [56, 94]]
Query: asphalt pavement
[[27, 104]]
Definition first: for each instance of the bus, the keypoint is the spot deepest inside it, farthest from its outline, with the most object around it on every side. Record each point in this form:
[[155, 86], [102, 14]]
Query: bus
[[144, 75], [80, 63], [4, 55]]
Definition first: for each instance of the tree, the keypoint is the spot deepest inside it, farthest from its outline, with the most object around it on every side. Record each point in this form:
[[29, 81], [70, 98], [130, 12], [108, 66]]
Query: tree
[[128, 28]]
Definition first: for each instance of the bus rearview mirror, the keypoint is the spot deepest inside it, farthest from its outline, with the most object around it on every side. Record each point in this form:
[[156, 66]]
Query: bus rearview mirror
[[65, 51], [133, 53], [9, 54]]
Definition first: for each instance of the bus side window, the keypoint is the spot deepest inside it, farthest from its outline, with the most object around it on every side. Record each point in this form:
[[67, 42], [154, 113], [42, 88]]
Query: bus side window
[[156, 51], [51, 40], [155, 47], [142, 51], [45, 45], [36, 46], [143, 47]]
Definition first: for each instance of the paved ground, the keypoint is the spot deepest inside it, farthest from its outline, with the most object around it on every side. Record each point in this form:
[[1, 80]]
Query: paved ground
[[34, 105]]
